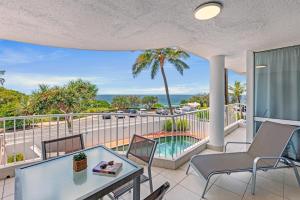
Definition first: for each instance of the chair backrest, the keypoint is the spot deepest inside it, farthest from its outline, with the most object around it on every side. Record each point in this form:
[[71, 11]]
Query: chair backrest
[[142, 148], [159, 193], [60, 146], [271, 139]]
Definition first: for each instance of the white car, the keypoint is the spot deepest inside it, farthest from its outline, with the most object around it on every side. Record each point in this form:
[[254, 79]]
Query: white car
[[120, 116], [142, 112]]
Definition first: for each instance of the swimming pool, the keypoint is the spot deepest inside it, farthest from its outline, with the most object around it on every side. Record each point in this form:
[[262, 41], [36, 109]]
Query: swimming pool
[[169, 146]]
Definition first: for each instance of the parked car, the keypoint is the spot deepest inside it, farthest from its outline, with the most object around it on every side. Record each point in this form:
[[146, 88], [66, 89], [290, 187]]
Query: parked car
[[162, 111], [106, 116], [132, 112], [186, 109], [120, 116], [178, 111], [142, 112]]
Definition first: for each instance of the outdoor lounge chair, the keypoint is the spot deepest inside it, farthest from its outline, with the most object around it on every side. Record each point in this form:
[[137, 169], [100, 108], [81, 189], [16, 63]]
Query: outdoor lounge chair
[[264, 153]]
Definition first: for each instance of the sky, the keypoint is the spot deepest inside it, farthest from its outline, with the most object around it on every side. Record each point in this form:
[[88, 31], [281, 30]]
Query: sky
[[29, 65]]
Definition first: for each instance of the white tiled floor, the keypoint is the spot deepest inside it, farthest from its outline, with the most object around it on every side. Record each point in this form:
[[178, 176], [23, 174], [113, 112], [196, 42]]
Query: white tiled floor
[[271, 185]]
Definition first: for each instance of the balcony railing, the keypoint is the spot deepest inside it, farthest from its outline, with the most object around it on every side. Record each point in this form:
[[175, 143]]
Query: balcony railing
[[21, 137]]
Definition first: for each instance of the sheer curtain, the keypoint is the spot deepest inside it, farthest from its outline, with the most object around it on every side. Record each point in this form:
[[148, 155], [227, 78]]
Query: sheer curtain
[[277, 88]]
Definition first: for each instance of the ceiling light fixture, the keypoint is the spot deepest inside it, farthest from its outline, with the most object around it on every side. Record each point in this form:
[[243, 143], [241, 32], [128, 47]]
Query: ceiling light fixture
[[260, 66], [207, 10]]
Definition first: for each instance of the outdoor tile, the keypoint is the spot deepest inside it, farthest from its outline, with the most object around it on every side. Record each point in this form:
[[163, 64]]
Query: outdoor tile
[[180, 193], [260, 194], [9, 189], [196, 183], [145, 191], [269, 185], [184, 166], [159, 180], [10, 180], [242, 176], [273, 175], [174, 175], [291, 192], [231, 184], [217, 193], [290, 178], [1, 183], [10, 197]]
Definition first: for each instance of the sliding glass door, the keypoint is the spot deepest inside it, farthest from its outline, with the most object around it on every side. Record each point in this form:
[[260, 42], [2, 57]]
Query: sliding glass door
[[277, 90]]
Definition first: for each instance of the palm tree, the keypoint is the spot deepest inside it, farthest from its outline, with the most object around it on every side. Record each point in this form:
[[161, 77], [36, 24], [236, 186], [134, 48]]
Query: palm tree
[[2, 80], [236, 91], [155, 59]]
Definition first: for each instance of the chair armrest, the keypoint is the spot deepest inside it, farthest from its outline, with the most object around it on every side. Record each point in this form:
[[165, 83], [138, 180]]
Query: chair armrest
[[225, 148], [257, 159]]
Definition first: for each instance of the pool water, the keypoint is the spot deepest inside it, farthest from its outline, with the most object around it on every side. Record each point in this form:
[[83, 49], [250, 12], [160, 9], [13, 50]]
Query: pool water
[[169, 146]]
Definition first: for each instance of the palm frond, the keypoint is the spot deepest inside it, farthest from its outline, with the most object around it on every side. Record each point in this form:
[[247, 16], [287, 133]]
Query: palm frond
[[142, 62], [154, 69], [179, 65]]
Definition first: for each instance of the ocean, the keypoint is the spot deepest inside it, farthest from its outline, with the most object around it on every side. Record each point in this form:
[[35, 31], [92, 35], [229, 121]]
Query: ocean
[[162, 99]]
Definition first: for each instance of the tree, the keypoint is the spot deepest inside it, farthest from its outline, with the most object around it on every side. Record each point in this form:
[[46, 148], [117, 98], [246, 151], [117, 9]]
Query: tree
[[12, 103], [120, 102], [134, 101], [202, 99], [2, 80], [236, 91], [149, 101], [156, 59], [69, 98], [184, 102]]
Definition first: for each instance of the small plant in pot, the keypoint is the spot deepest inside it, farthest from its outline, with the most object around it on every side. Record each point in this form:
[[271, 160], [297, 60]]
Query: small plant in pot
[[79, 162]]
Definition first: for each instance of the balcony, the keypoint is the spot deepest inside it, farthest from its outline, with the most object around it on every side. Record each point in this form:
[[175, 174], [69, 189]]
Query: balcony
[[278, 184]]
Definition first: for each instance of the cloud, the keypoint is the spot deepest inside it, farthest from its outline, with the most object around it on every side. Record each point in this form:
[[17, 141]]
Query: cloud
[[27, 55], [27, 82]]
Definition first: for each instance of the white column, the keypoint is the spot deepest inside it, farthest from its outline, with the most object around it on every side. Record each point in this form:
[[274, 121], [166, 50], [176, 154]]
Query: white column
[[216, 103], [250, 95]]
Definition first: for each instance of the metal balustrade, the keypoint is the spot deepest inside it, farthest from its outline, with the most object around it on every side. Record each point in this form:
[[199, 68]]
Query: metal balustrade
[[21, 136]]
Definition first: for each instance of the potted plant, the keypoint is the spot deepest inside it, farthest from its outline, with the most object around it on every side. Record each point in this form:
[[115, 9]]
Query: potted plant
[[79, 162]]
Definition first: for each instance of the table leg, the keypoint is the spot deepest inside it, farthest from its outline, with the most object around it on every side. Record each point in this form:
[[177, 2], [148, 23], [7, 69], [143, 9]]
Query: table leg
[[136, 188]]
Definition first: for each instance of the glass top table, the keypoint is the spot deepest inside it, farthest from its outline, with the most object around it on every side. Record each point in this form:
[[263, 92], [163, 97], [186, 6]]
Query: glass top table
[[55, 178]]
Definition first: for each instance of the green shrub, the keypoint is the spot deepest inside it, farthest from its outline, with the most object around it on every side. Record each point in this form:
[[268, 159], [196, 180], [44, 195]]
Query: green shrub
[[168, 125], [19, 157], [157, 105], [98, 110], [181, 125], [203, 115]]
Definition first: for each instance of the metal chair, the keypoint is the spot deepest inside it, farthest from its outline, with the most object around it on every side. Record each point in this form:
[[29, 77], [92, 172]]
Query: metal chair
[[143, 149], [159, 193], [57, 147]]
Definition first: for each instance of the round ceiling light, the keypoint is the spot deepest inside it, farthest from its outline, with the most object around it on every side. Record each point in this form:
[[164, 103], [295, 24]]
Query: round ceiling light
[[207, 10]]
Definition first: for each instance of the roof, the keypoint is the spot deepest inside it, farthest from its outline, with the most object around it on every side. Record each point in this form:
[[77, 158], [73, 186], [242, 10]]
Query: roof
[[144, 24]]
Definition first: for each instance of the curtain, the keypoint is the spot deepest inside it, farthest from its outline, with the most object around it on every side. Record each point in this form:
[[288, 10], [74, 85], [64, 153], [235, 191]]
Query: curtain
[[277, 89]]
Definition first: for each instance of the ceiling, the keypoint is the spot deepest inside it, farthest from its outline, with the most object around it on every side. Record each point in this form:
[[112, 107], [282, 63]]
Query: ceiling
[[143, 24]]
